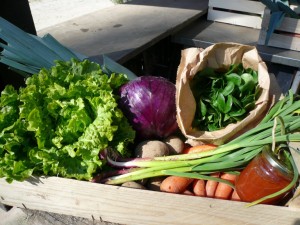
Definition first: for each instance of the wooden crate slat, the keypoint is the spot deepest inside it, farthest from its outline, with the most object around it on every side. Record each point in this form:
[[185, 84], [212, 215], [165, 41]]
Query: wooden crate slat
[[296, 83], [237, 12], [234, 18], [255, 7], [132, 206], [281, 40], [288, 24]]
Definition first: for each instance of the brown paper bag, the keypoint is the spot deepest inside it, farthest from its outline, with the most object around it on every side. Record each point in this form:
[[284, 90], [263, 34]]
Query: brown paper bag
[[216, 56]]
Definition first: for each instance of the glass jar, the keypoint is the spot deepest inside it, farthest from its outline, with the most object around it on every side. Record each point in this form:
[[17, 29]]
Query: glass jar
[[263, 176]]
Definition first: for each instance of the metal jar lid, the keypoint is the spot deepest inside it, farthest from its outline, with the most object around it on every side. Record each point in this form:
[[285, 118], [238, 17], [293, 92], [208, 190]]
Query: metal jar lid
[[268, 154]]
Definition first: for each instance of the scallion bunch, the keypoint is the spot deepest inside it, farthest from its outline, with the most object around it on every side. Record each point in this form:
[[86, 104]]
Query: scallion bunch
[[232, 156]]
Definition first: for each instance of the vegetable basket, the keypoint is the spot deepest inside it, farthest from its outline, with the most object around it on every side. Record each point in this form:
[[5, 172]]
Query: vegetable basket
[[123, 205], [117, 204]]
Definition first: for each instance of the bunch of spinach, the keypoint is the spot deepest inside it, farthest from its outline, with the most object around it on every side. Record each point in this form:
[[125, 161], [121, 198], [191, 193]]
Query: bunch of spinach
[[223, 96], [60, 121]]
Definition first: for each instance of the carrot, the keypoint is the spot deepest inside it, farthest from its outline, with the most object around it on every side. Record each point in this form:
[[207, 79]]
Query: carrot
[[223, 190], [175, 184], [235, 196], [199, 187], [199, 148], [211, 186]]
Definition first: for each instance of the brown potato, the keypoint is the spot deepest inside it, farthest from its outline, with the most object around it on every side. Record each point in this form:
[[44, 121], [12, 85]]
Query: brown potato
[[175, 144], [151, 149]]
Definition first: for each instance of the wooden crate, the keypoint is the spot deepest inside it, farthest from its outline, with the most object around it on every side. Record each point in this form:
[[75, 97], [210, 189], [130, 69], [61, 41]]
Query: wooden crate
[[139, 207], [128, 206], [287, 36], [237, 12], [133, 206]]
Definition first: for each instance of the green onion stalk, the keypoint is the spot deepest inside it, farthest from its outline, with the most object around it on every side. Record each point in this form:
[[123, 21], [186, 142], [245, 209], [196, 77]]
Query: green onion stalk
[[229, 157]]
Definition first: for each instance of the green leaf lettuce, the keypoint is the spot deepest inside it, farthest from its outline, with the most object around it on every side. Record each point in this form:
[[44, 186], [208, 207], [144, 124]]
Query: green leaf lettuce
[[60, 121]]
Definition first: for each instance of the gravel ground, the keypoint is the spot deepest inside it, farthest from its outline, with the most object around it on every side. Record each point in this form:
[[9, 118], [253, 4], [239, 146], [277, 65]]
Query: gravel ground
[[47, 13]]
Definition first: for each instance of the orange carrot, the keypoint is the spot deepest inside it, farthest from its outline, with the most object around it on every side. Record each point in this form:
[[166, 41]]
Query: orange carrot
[[223, 190], [211, 186], [175, 184], [235, 196], [199, 187], [199, 148]]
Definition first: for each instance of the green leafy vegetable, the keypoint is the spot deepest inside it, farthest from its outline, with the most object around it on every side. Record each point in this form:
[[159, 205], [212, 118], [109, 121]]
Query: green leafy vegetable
[[60, 122], [223, 97]]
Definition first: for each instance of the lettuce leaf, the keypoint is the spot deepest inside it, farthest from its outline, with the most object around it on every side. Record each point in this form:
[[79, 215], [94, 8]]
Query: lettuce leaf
[[60, 121]]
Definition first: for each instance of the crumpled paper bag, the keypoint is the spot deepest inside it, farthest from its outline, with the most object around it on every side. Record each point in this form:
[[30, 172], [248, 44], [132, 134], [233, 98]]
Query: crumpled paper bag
[[216, 56]]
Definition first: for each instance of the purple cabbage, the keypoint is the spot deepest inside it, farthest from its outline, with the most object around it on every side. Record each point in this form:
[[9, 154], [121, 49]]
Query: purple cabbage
[[148, 102]]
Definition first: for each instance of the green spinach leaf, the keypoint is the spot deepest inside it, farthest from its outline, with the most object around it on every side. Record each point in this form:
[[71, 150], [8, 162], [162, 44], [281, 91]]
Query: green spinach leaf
[[223, 96]]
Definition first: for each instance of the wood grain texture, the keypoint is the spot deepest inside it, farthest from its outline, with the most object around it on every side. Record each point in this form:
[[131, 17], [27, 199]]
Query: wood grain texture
[[131, 206], [236, 12], [125, 30], [18, 216], [255, 7], [202, 33], [281, 40], [234, 18]]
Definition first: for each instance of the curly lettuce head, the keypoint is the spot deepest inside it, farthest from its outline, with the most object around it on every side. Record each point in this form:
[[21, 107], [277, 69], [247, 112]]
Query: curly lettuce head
[[60, 121]]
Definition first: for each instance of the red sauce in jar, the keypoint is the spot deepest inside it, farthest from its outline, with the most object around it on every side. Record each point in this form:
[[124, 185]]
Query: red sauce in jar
[[263, 176]]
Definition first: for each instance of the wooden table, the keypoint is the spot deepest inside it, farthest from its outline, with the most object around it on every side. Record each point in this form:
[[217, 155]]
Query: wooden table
[[125, 30]]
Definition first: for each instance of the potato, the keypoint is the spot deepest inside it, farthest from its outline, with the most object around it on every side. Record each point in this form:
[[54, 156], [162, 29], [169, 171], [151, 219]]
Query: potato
[[151, 149], [175, 144], [132, 184]]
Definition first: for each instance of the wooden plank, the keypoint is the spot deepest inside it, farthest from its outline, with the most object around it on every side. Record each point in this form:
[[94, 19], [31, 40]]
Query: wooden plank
[[133, 206], [18, 216], [288, 24], [234, 18], [237, 12], [254, 7], [296, 83], [202, 33], [290, 40], [125, 30], [280, 41], [285, 80]]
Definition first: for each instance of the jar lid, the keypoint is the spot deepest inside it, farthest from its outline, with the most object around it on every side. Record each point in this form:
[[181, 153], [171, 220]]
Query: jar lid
[[268, 154]]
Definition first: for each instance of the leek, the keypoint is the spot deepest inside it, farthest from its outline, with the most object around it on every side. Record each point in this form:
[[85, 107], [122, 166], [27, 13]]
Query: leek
[[28, 54]]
